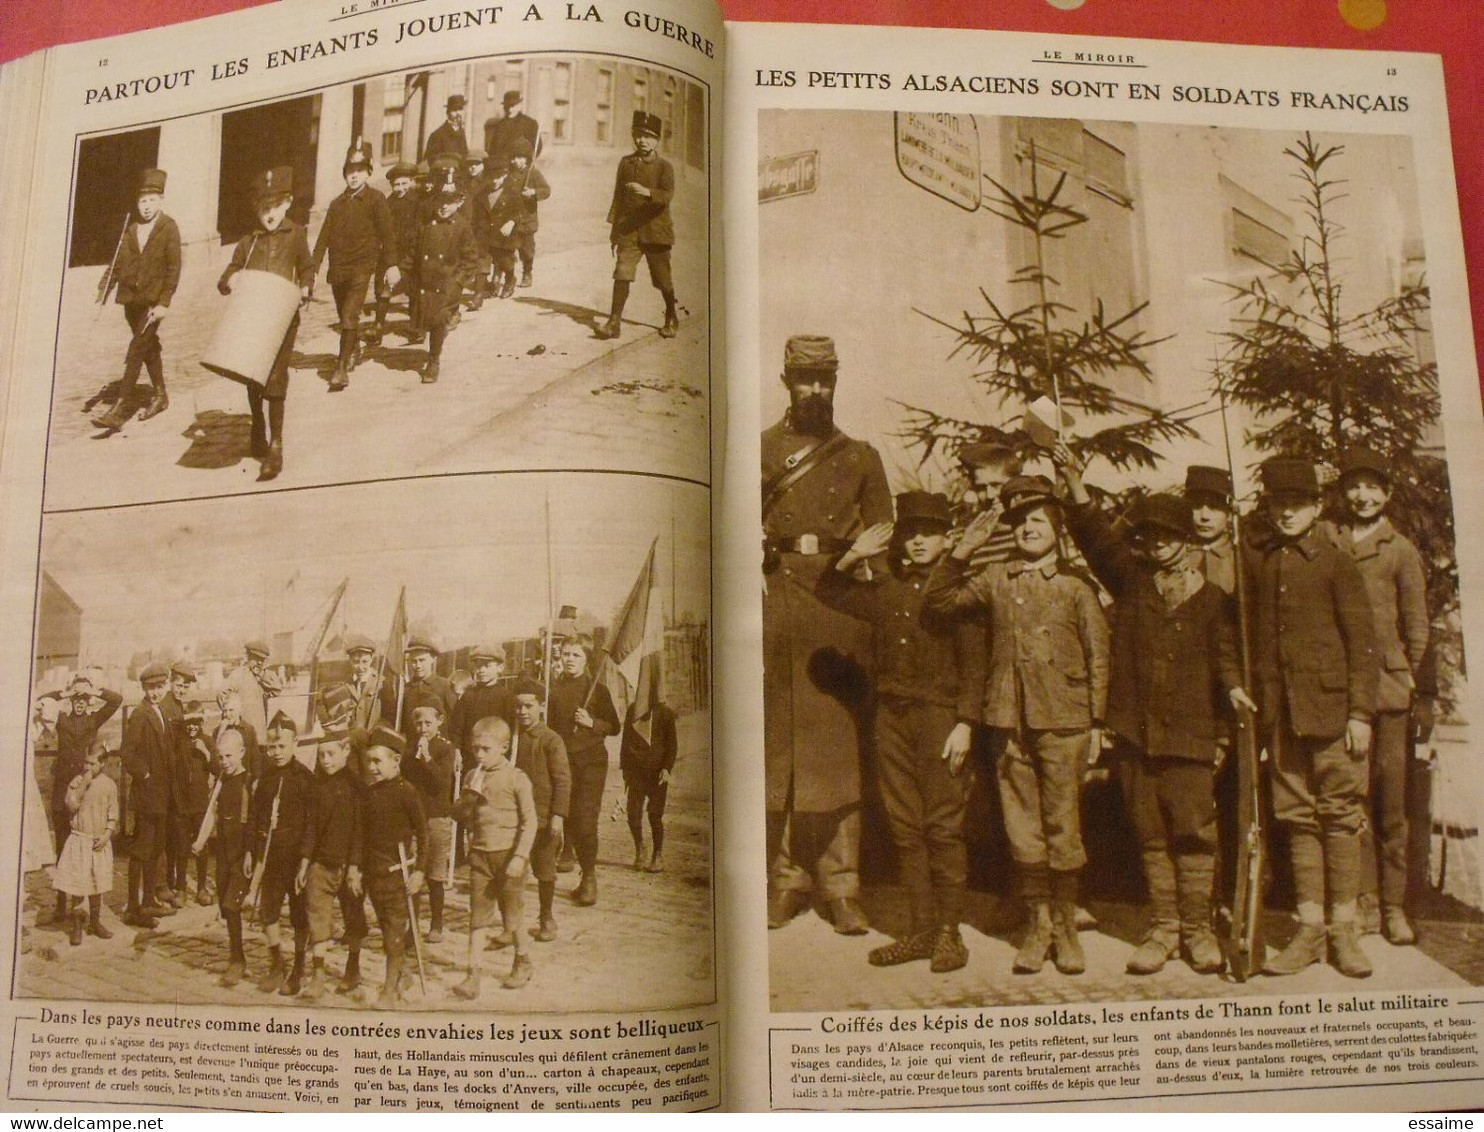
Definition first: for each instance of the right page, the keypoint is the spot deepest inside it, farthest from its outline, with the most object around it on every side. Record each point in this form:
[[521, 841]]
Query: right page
[[1095, 657]]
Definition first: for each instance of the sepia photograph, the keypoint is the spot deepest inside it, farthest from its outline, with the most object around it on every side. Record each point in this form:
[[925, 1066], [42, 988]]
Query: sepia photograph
[[1111, 634], [417, 745], [491, 265]]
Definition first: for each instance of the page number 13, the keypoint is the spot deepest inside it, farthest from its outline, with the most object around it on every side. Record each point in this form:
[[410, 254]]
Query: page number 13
[[1391, 72]]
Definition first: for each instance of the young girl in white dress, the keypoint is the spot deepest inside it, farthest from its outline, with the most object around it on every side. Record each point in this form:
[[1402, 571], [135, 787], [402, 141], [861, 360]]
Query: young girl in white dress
[[85, 867]]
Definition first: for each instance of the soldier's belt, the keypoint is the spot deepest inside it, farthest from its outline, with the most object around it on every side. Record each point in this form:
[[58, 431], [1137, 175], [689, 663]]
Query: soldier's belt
[[806, 544]]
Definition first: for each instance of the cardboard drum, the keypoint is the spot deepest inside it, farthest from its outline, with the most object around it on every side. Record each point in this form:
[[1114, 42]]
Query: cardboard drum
[[251, 329]]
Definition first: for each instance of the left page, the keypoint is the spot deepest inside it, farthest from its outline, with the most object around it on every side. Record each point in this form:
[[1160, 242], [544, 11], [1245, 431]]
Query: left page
[[356, 496]]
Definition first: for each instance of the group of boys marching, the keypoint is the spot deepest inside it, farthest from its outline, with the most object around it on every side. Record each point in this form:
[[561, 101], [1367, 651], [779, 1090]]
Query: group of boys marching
[[449, 235], [985, 618], [399, 772]]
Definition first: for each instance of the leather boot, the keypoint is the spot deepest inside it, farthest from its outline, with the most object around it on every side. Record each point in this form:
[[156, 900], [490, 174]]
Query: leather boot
[[1345, 955], [1195, 874], [520, 972], [1037, 942], [391, 991], [295, 982], [1396, 927], [1066, 947], [1162, 940], [159, 401], [586, 894], [352, 977], [1303, 950], [272, 462], [315, 990], [277, 972], [469, 988]]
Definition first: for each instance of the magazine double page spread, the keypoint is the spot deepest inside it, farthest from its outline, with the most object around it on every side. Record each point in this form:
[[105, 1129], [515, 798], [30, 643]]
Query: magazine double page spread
[[573, 556]]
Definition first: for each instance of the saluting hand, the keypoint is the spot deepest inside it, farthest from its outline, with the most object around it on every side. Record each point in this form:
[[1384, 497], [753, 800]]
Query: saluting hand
[[870, 542], [976, 533]]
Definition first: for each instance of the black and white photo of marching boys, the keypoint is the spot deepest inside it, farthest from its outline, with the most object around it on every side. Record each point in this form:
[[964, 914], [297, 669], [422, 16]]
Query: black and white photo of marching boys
[[272, 756], [1111, 633], [438, 263]]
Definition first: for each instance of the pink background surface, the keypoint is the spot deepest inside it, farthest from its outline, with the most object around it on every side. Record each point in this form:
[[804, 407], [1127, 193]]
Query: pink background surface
[[1453, 29]]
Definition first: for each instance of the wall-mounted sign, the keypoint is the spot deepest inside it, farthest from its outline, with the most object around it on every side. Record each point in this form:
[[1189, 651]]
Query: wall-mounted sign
[[940, 153], [788, 176]]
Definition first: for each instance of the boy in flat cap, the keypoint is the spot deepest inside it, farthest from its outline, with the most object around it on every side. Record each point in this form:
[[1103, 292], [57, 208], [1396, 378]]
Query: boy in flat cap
[[640, 225], [1397, 588], [485, 695], [930, 673], [361, 240], [542, 758], [820, 490], [148, 752], [404, 205], [282, 808], [1316, 666], [514, 218], [254, 682], [1046, 697], [146, 271], [442, 258], [501, 134], [449, 139], [1209, 492], [1175, 680], [190, 789], [330, 858], [280, 246], [424, 685], [394, 856], [498, 809]]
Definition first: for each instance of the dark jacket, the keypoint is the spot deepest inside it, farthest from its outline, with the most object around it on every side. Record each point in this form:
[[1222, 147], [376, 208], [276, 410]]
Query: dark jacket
[[149, 274], [294, 788], [435, 691], [359, 235], [645, 220], [480, 701], [447, 138], [75, 734], [1170, 669], [916, 654], [501, 134], [148, 754], [541, 756], [283, 251], [1315, 651], [513, 204], [443, 256], [332, 836], [568, 693], [641, 759], [433, 776], [393, 816], [190, 780]]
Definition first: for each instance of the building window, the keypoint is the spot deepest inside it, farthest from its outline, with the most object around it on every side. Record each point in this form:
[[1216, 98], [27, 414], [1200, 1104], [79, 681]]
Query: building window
[[603, 108], [491, 89], [641, 92], [393, 110], [667, 115], [561, 103], [515, 77]]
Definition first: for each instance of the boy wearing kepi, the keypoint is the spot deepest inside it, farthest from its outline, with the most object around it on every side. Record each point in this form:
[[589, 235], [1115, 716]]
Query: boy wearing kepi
[[282, 807], [1397, 588], [362, 242], [146, 270], [442, 258], [542, 757], [278, 245], [1044, 699], [1175, 679], [394, 851], [498, 809], [1316, 668], [330, 857], [930, 671], [640, 225]]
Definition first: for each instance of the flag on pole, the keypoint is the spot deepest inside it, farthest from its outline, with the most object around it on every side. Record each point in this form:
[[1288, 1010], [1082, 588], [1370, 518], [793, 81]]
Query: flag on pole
[[393, 657], [638, 642]]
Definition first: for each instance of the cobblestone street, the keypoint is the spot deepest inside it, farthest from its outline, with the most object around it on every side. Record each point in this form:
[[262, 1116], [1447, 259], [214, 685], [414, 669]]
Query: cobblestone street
[[647, 944]]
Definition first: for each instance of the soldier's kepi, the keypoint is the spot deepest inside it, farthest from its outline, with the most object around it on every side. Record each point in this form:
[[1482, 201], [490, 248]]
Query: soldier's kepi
[[820, 490]]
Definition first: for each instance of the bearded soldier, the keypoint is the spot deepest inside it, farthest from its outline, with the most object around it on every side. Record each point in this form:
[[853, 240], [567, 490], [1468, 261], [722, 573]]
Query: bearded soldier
[[820, 490]]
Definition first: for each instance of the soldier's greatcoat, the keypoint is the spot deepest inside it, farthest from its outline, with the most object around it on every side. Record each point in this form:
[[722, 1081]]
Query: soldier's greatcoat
[[814, 658]]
